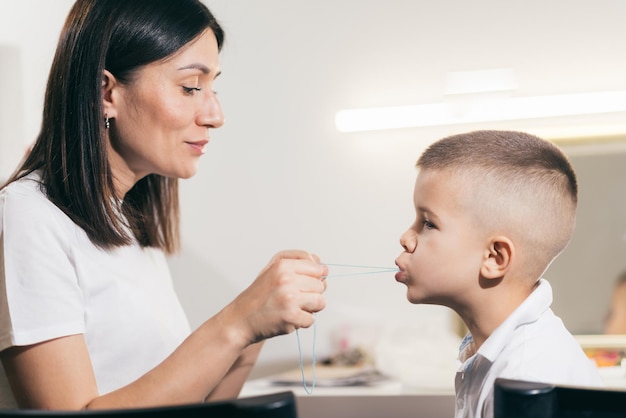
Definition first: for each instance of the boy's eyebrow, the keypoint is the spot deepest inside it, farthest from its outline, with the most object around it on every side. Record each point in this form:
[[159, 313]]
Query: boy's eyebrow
[[426, 211], [423, 209]]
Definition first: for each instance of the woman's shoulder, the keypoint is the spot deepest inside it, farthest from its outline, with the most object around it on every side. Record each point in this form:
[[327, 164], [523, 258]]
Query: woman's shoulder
[[29, 186], [24, 205], [25, 197]]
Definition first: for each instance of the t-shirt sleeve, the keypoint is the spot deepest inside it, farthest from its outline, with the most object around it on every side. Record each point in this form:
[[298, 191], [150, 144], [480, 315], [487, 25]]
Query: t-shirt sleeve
[[40, 297]]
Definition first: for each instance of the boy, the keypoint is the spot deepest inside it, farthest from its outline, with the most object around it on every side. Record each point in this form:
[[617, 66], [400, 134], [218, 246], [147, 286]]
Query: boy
[[493, 209]]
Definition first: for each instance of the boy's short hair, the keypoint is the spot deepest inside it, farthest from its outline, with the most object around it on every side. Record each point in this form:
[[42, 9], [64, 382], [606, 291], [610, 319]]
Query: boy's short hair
[[516, 184]]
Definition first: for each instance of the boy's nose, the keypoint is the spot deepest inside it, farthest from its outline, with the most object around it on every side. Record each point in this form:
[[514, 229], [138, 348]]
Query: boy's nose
[[408, 241]]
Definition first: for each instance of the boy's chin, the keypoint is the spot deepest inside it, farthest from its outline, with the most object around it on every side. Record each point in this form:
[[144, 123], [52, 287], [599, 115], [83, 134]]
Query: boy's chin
[[420, 299], [414, 299]]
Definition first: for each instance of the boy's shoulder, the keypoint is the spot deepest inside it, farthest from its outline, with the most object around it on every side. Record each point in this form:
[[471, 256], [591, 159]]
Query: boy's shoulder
[[545, 351]]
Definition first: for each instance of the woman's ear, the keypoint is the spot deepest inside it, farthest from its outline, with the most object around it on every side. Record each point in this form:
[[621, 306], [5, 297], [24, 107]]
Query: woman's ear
[[498, 258], [109, 86]]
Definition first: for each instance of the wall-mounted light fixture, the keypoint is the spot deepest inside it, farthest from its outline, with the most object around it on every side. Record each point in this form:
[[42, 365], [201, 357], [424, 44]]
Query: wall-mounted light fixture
[[477, 97], [482, 110]]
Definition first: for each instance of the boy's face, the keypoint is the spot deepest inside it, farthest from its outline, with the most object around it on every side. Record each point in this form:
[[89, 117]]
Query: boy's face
[[443, 249]]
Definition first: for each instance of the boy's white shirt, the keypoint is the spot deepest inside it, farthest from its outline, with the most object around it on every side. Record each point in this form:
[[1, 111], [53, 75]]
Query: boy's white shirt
[[531, 344]]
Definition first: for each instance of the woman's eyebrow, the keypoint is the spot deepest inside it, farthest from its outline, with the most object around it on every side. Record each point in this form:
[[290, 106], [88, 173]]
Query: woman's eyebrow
[[203, 68]]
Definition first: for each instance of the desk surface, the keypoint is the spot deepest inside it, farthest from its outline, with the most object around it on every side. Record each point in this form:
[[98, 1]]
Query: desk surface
[[388, 387], [389, 398]]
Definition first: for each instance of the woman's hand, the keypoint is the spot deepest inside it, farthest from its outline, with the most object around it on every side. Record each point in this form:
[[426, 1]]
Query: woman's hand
[[283, 297]]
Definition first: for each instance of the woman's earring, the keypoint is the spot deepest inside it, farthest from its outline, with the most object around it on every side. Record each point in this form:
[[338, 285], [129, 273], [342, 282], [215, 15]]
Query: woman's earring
[[107, 123]]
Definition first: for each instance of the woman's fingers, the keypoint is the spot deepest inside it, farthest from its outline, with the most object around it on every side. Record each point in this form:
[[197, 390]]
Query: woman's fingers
[[308, 284], [297, 259], [297, 254], [285, 295]]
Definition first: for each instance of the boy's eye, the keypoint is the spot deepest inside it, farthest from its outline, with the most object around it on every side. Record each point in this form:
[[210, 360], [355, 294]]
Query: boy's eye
[[427, 224]]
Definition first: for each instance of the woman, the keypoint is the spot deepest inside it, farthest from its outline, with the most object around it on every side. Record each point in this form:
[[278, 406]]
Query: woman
[[615, 322], [88, 315]]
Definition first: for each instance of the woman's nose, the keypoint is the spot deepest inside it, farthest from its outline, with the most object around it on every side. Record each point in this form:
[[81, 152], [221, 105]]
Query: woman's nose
[[408, 241], [211, 114]]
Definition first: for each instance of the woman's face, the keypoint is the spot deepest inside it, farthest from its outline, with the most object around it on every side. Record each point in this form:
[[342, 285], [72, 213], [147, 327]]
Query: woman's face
[[160, 120]]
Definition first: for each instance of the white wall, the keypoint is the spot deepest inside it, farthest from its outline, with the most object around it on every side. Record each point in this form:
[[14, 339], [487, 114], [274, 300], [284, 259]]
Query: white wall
[[278, 175], [29, 31]]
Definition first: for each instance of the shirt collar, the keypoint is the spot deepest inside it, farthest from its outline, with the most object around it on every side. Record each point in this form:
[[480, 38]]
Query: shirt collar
[[527, 312]]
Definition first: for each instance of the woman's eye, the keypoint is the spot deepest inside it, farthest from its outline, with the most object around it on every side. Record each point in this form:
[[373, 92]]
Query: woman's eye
[[191, 90]]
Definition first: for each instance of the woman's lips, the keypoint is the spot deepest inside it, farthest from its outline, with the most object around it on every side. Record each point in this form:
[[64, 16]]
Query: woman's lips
[[198, 146]]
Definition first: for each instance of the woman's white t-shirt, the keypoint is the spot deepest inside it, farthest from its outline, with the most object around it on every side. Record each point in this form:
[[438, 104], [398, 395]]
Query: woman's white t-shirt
[[54, 282]]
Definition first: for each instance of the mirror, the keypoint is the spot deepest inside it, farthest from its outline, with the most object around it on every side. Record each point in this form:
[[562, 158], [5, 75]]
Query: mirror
[[584, 275]]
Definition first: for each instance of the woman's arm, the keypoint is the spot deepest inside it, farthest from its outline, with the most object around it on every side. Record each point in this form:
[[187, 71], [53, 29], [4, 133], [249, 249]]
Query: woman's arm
[[231, 384], [57, 374], [213, 362]]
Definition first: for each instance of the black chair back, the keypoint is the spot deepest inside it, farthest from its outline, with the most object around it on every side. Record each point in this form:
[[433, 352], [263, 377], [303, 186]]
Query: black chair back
[[275, 405], [520, 399]]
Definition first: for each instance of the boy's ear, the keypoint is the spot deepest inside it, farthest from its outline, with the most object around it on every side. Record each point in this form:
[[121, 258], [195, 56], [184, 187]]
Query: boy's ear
[[109, 90], [498, 258]]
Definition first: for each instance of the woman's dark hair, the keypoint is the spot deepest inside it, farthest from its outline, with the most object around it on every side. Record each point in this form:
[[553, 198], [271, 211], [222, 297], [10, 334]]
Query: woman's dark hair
[[120, 36]]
